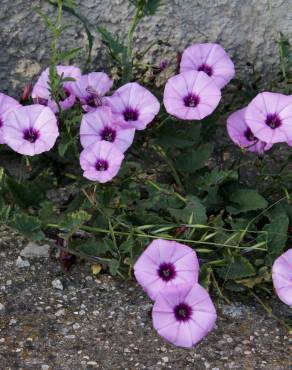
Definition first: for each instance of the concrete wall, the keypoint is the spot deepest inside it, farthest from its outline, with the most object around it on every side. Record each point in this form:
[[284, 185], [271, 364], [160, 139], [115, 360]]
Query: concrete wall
[[244, 27]]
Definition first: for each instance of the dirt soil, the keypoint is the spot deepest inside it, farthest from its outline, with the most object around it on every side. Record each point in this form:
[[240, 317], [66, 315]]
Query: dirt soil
[[53, 319]]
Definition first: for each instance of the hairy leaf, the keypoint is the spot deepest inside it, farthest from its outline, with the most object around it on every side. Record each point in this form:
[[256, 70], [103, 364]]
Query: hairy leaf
[[28, 225], [73, 221]]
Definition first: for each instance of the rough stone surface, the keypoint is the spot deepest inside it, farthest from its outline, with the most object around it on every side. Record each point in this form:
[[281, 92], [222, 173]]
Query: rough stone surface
[[245, 28], [104, 323], [33, 250]]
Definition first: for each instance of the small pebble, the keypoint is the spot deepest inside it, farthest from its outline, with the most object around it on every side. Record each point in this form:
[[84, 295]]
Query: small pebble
[[60, 312], [33, 250], [57, 284], [22, 263]]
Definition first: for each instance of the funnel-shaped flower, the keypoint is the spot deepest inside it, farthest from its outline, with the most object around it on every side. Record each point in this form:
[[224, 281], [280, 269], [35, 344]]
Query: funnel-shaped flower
[[184, 314], [133, 106], [101, 161], [7, 104], [90, 89], [269, 116], [191, 95], [41, 93], [242, 135], [166, 263], [30, 129], [282, 277], [99, 125], [211, 59]]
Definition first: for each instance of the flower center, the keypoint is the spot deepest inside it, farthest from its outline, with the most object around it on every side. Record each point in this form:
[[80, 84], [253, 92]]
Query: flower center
[[40, 101], [31, 135], [130, 114], [183, 312], [167, 271], [205, 68], [101, 165], [67, 93], [1, 123], [273, 120], [191, 100], [108, 134], [249, 135], [93, 100]]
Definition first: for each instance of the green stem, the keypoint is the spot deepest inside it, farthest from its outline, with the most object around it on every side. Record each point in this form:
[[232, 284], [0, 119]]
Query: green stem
[[151, 236], [170, 165], [127, 60], [164, 191], [133, 26], [218, 288], [53, 76]]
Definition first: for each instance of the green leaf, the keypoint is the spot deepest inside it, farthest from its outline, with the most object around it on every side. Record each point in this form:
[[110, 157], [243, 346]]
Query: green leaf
[[64, 143], [70, 3], [127, 246], [277, 231], [48, 213], [90, 247], [192, 160], [28, 225], [5, 211], [113, 267], [176, 134], [194, 211], [263, 276], [148, 7], [25, 194], [215, 177], [48, 22], [68, 54], [205, 276], [237, 267], [73, 221], [105, 197], [244, 200], [116, 48], [69, 6]]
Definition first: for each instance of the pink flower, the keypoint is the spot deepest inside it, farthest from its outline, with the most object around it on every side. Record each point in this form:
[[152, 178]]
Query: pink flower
[[269, 116], [99, 125], [101, 161], [31, 129], [90, 89], [133, 106], [166, 263], [211, 59], [242, 135], [184, 314], [41, 93], [7, 104], [191, 95], [282, 277]]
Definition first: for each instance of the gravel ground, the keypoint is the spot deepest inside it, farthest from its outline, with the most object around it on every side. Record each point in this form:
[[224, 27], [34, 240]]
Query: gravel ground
[[52, 319]]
